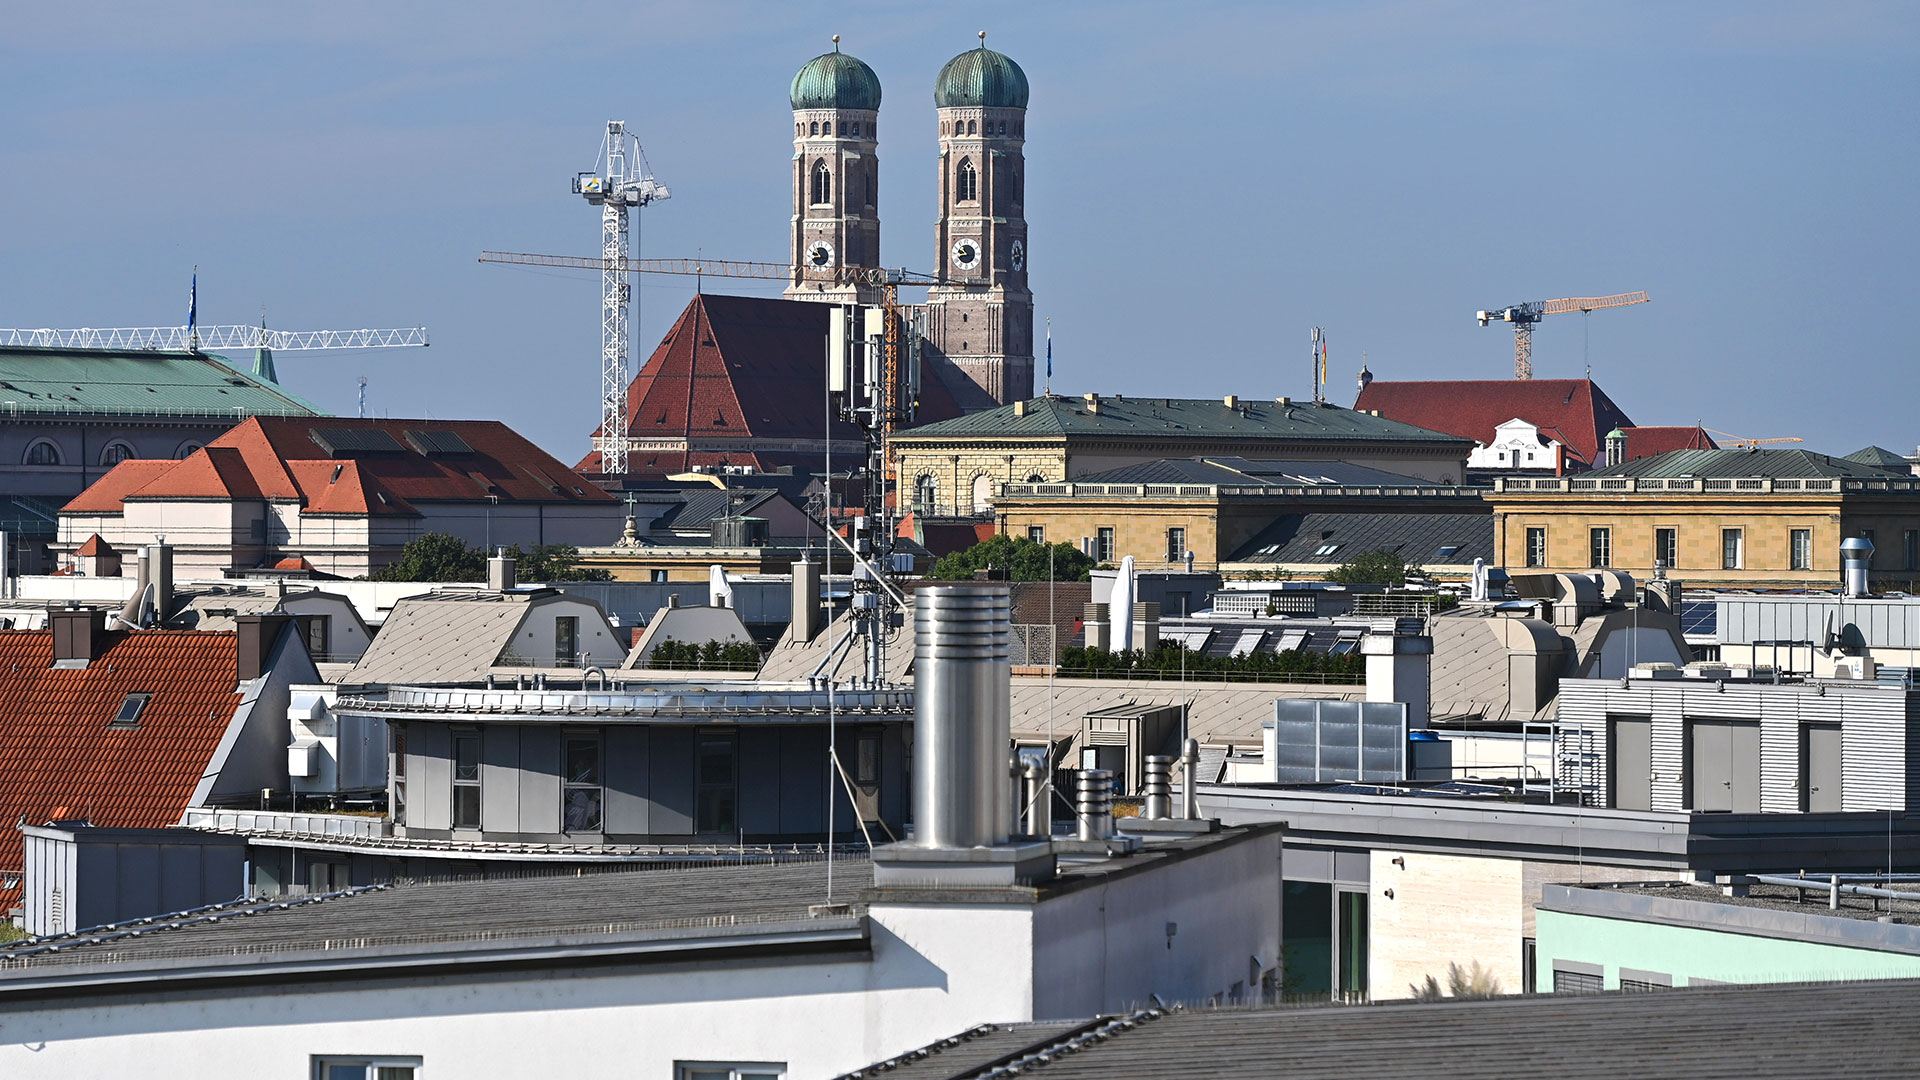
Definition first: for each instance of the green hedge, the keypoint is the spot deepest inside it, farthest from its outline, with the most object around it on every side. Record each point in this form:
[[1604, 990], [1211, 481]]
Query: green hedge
[[1167, 659], [707, 656]]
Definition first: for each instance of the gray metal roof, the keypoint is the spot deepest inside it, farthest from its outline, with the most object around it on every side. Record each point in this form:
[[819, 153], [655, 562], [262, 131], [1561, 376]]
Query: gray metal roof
[[1718, 1031], [1419, 538], [1740, 464], [1245, 472], [1883, 458], [431, 916], [451, 637], [1176, 418], [1221, 712]]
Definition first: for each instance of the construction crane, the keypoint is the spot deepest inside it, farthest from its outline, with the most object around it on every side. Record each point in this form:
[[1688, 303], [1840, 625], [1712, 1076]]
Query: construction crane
[[1748, 444], [1523, 316], [618, 182], [184, 338]]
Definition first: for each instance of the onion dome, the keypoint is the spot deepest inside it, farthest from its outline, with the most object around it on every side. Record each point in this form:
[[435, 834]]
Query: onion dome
[[980, 78], [836, 80]]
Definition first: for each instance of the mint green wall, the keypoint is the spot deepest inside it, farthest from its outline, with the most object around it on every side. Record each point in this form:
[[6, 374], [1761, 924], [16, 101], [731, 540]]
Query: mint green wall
[[1718, 955]]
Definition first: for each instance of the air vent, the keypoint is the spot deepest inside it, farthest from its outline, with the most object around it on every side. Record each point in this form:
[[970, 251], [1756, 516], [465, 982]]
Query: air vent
[[353, 442], [438, 442]]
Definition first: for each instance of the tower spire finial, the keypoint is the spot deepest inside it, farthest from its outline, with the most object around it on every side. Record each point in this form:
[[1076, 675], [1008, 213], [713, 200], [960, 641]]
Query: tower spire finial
[[836, 43], [983, 39]]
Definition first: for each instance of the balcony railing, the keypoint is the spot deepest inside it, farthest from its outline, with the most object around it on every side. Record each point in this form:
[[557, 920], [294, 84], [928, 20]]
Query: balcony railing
[[1732, 485]]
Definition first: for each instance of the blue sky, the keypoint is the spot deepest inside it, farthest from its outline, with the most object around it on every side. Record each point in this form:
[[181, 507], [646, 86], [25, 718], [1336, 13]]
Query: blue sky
[[1206, 182]]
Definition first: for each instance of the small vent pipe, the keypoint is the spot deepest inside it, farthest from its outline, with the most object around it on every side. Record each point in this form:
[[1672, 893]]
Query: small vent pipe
[[1038, 801], [1159, 786], [1857, 553], [1190, 783], [1093, 799]]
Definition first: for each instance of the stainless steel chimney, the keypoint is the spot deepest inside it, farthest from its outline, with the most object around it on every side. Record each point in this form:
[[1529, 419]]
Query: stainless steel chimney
[[1856, 552], [1093, 800], [1159, 786], [962, 684], [1039, 801]]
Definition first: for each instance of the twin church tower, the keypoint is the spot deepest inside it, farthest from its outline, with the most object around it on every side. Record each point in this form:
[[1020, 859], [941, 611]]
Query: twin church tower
[[979, 324]]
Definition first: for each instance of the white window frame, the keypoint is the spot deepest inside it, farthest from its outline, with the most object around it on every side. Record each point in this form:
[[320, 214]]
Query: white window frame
[[321, 1063], [1800, 549], [1739, 560], [1600, 547], [735, 1070], [1533, 558]]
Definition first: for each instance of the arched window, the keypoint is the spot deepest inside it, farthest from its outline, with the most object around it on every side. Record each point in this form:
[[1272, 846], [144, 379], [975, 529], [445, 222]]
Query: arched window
[[982, 494], [186, 450], [925, 491], [843, 127], [822, 183], [970, 128], [115, 453], [966, 183], [1036, 478], [1003, 127], [813, 128], [42, 452], [856, 127]]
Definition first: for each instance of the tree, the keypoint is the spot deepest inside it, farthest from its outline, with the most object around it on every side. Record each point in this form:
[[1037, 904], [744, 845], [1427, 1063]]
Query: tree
[[1022, 559], [1374, 567], [553, 562], [435, 556]]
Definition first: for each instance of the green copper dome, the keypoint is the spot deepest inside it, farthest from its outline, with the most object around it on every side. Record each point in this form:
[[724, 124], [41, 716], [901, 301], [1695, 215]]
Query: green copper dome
[[835, 81], [980, 78]]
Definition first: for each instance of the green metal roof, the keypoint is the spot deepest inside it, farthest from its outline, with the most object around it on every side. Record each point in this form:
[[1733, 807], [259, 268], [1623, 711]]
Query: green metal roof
[[835, 81], [980, 78], [1740, 464], [1181, 418], [1881, 457], [104, 382]]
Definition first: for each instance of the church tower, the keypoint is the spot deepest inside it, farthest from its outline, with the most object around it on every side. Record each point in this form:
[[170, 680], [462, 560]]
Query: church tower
[[982, 323], [836, 177]]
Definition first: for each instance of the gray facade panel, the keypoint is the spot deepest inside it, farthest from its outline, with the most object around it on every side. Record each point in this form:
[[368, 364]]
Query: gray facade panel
[[670, 780], [499, 779], [625, 768], [539, 780], [429, 777], [803, 807], [760, 769]]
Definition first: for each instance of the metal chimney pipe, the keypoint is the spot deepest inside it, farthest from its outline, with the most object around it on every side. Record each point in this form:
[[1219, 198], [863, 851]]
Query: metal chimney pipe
[[1159, 786], [1190, 782], [1038, 801], [961, 714], [1857, 553], [1093, 800]]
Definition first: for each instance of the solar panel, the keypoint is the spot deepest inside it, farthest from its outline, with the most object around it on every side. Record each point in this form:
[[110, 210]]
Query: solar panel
[[438, 442], [346, 442]]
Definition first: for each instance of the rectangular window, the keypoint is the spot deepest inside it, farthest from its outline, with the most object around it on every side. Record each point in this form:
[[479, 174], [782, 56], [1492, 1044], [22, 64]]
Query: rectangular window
[[1730, 544], [656, 575], [1800, 542], [366, 1068], [1666, 548], [581, 792], [319, 629], [1528, 952], [1600, 546], [867, 764], [1176, 544], [714, 1070], [1644, 982], [566, 640], [128, 718], [1566, 981], [1037, 533], [397, 733], [1536, 547], [466, 780], [1103, 544], [715, 795], [1353, 945]]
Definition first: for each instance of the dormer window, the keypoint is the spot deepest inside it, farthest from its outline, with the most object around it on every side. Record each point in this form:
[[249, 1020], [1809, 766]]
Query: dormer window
[[128, 718]]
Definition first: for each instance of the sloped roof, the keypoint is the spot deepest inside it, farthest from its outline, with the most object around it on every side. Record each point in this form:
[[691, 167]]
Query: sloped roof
[[105, 495], [58, 758], [1417, 538], [1575, 412], [737, 367], [1881, 457], [137, 383], [95, 547], [1222, 712], [1174, 418], [1648, 441], [1247, 472], [1774, 463], [450, 637]]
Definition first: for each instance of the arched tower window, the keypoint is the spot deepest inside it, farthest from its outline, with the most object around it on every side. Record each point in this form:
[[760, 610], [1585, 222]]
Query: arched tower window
[[813, 128], [843, 127], [115, 453], [970, 127], [966, 183], [822, 183], [42, 453]]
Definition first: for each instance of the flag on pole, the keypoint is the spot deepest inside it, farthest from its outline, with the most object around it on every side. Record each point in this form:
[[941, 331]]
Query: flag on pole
[[193, 310], [1049, 354]]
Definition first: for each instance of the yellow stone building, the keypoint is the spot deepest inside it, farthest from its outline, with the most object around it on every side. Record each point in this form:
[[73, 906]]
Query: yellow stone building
[[1733, 518]]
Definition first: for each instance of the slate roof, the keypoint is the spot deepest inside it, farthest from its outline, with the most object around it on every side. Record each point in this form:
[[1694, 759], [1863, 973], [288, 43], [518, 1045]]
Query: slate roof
[[1415, 537], [1881, 457], [1573, 412], [735, 367], [1247, 472], [108, 382], [1742, 463], [1174, 418], [1709, 1031], [352, 467], [423, 915], [59, 759]]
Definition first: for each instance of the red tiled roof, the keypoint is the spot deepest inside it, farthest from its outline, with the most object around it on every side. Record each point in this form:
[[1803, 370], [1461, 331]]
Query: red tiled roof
[[1575, 412], [294, 562], [283, 458], [94, 548], [1648, 441], [105, 494], [741, 367], [58, 758]]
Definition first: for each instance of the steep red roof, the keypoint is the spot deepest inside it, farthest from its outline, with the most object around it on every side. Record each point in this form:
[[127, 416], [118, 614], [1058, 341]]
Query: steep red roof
[[741, 367], [58, 757], [1574, 412], [340, 465], [1648, 441], [94, 548]]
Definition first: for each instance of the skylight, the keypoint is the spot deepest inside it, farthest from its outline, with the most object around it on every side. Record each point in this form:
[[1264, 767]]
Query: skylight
[[1445, 551], [129, 715]]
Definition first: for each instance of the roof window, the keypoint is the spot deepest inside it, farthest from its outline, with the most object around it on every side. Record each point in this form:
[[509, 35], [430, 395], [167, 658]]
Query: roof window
[[128, 718], [1445, 551], [1326, 549]]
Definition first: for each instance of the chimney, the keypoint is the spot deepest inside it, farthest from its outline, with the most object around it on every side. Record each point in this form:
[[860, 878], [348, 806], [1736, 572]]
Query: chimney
[[160, 576], [1093, 404], [1019, 408], [1099, 632], [78, 634], [963, 679], [1093, 803], [500, 572], [1856, 552], [1231, 401], [806, 601], [256, 636], [1399, 666]]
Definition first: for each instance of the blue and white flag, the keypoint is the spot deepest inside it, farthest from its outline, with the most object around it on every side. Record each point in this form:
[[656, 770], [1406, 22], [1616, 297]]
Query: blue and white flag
[[1049, 352], [193, 302]]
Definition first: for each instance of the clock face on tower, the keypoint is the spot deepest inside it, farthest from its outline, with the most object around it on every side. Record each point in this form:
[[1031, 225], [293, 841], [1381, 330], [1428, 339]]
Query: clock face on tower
[[966, 254], [820, 255], [1018, 255]]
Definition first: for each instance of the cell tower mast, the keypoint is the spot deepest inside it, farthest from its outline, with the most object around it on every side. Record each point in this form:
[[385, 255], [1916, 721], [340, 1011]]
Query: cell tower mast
[[620, 180]]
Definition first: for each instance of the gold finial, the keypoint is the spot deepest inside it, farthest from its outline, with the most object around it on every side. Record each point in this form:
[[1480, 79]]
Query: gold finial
[[836, 43], [983, 39]]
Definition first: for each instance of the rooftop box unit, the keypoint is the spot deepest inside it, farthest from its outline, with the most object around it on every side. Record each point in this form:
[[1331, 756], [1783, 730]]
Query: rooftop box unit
[[1314, 741], [740, 532]]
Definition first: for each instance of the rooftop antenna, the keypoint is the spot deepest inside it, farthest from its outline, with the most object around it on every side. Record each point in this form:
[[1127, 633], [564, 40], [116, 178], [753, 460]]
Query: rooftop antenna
[[1319, 355]]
